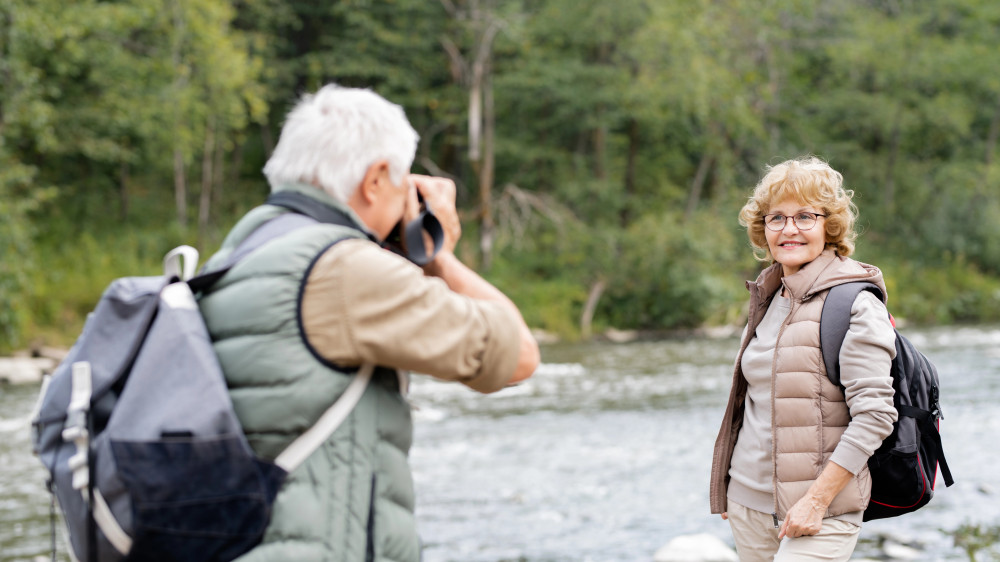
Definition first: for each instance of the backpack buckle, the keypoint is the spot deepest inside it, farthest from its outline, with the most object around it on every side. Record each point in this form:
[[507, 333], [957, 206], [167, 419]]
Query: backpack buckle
[[936, 412]]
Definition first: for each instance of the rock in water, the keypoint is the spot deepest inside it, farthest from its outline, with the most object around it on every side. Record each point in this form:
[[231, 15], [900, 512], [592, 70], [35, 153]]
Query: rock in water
[[24, 370], [695, 548], [896, 551]]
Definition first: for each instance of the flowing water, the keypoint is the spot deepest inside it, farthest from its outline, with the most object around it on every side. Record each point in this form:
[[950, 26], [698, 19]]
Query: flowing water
[[602, 456]]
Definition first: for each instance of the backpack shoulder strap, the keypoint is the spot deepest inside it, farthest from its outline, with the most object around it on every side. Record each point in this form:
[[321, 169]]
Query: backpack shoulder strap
[[303, 446], [835, 321], [274, 228], [309, 207], [305, 211]]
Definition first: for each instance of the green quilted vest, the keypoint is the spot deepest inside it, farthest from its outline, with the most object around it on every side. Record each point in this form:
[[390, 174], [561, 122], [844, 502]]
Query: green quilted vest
[[351, 500]]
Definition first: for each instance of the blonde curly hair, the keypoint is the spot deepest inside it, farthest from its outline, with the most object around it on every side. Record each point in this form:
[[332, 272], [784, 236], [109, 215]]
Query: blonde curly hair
[[810, 181]]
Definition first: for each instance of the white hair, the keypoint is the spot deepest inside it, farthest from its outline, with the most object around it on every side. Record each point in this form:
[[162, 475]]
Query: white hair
[[332, 137]]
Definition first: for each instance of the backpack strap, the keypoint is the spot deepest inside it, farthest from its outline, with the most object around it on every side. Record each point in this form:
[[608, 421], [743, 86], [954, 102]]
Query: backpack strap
[[305, 205], [835, 320], [181, 262], [303, 446], [934, 436], [274, 228]]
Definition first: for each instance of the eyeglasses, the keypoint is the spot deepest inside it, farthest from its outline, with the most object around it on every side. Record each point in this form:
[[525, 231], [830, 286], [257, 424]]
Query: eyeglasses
[[803, 221]]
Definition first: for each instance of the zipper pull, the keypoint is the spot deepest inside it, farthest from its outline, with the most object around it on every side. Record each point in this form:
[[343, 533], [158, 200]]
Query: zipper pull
[[774, 517]]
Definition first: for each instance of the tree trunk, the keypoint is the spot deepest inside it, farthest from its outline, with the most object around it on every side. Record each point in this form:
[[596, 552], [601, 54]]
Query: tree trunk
[[633, 152], [123, 180], [587, 318], [219, 177], [483, 26], [6, 83], [698, 184], [207, 175], [889, 195], [486, 173], [267, 139], [180, 81], [475, 115], [180, 188], [599, 140], [481, 125], [991, 137], [237, 164]]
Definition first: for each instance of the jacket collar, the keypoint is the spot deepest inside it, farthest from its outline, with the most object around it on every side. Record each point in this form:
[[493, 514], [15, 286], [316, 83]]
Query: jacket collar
[[827, 270]]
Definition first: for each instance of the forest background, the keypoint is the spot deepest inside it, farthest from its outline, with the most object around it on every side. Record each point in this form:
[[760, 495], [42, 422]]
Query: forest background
[[601, 149]]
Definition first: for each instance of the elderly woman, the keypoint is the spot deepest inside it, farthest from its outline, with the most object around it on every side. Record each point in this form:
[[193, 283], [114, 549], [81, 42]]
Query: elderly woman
[[790, 470]]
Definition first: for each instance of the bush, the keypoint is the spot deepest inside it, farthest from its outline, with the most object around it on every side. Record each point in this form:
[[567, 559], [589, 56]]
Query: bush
[[976, 538], [943, 293], [77, 271], [16, 248], [676, 274]]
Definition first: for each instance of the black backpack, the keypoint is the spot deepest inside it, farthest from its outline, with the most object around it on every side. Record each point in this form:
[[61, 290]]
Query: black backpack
[[904, 468]]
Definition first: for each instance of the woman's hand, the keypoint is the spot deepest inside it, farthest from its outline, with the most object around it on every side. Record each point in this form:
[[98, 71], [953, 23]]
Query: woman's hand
[[806, 516]]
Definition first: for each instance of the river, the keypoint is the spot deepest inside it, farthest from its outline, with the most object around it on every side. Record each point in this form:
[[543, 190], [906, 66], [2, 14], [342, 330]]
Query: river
[[602, 456]]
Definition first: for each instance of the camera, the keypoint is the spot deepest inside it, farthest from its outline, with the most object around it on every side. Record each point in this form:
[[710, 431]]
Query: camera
[[407, 239]]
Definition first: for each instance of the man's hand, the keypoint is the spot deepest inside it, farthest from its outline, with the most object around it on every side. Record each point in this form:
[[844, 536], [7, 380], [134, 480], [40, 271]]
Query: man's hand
[[439, 195]]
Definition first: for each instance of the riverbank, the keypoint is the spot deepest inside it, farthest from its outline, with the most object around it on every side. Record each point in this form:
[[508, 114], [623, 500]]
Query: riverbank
[[29, 366]]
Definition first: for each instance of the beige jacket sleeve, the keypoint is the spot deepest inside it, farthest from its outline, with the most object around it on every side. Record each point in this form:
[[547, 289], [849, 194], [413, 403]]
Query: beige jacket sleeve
[[865, 360], [364, 304]]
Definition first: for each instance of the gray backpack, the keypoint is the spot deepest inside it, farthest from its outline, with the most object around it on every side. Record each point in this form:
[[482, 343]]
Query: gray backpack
[[136, 428]]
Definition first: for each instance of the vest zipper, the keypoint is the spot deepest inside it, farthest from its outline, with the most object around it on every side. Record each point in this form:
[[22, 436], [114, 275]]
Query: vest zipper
[[370, 529], [774, 369]]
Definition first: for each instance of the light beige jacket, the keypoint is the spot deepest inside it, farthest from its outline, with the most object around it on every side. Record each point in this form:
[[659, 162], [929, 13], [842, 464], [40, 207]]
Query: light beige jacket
[[809, 413]]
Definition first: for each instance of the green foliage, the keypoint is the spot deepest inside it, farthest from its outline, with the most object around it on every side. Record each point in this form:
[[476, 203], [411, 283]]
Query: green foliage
[[675, 274], [15, 247], [955, 291], [976, 539], [552, 305], [77, 274], [627, 137]]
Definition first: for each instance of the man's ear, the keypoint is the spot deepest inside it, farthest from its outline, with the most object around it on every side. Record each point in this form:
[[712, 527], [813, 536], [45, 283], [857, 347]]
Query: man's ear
[[372, 183]]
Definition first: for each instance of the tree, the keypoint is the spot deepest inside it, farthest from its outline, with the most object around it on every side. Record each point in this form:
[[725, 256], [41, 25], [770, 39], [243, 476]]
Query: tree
[[480, 23], [23, 118]]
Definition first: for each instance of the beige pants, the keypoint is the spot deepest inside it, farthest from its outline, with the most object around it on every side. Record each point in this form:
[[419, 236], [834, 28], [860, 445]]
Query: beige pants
[[757, 538]]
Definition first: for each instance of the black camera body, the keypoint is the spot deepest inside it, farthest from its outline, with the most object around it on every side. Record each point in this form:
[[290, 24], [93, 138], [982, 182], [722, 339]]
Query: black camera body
[[407, 239]]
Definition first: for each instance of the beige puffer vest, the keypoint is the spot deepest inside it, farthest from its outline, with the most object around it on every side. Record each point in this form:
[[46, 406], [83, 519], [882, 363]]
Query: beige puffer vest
[[808, 411]]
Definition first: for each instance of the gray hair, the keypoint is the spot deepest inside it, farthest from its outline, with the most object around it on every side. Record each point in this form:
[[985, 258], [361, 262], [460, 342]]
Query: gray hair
[[332, 137]]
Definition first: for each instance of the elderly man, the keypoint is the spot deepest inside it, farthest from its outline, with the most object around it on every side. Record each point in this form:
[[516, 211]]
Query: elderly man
[[292, 321]]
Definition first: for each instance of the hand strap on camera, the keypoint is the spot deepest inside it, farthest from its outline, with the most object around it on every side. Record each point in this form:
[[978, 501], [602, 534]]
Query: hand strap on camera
[[413, 235]]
